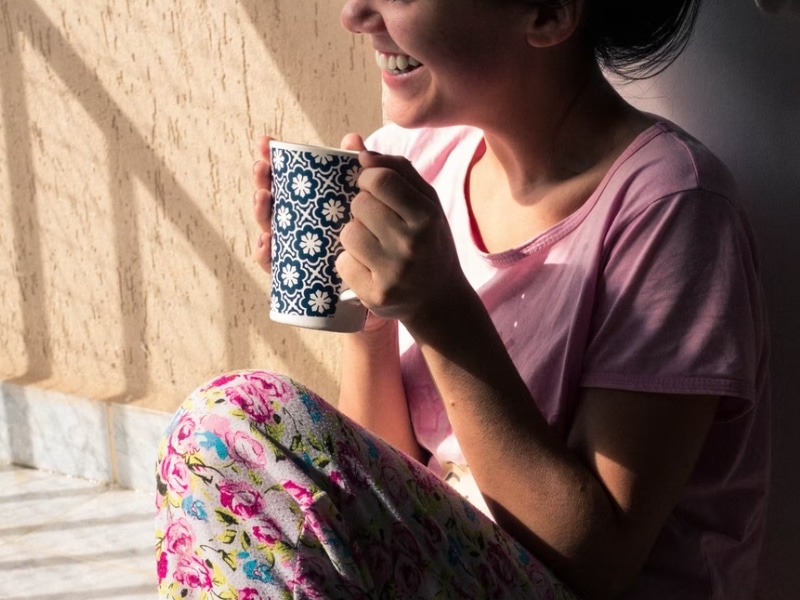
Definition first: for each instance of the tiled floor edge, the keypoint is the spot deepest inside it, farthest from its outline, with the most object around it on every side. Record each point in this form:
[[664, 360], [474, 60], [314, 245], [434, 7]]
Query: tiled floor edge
[[81, 437]]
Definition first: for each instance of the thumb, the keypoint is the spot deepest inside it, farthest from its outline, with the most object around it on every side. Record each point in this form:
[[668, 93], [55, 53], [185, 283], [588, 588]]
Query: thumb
[[353, 141]]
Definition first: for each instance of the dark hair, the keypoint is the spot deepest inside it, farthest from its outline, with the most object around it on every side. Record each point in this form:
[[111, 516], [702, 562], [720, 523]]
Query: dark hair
[[637, 39]]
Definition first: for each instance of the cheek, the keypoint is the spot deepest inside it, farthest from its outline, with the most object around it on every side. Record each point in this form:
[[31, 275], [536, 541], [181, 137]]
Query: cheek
[[468, 53]]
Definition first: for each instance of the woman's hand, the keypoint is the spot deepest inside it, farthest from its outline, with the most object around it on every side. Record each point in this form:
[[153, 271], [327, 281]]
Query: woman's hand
[[262, 204], [399, 256]]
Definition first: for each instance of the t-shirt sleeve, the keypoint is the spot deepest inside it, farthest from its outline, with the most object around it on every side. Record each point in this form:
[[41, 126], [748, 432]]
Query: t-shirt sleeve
[[678, 304]]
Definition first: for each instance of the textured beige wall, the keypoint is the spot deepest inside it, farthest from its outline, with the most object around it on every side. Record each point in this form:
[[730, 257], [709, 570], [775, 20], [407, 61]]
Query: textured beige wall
[[126, 136]]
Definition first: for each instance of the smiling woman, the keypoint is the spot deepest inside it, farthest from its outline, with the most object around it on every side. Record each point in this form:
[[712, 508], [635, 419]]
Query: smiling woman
[[561, 390]]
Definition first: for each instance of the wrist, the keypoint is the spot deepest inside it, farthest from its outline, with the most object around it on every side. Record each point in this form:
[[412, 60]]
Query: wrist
[[379, 334], [452, 324]]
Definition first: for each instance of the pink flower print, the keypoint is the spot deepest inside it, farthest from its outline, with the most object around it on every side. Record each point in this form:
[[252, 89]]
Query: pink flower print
[[272, 386], [245, 449], [220, 381], [162, 566], [302, 496], [500, 564], [267, 531], [433, 532], [312, 576], [241, 498], [193, 572], [249, 594], [252, 400], [351, 591], [393, 484], [408, 574], [181, 440], [424, 479], [216, 424], [488, 581], [336, 478], [351, 466], [540, 582], [178, 537], [380, 563], [403, 540], [175, 473]]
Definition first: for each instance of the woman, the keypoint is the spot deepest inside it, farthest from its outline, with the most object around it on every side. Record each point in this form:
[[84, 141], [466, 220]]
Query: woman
[[566, 328]]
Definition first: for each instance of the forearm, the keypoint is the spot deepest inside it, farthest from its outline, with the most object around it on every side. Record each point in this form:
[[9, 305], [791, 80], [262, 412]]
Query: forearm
[[537, 488], [371, 391]]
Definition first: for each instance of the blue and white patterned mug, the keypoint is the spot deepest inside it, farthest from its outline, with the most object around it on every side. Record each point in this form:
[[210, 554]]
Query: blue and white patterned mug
[[312, 188]]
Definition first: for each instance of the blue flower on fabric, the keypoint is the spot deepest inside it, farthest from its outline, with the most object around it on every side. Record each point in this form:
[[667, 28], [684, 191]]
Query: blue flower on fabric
[[212, 442], [312, 407], [194, 508], [455, 550], [469, 511], [175, 420], [258, 571], [372, 450]]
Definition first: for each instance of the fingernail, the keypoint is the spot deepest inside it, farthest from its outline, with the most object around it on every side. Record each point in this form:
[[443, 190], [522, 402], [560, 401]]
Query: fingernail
[[260, 242]]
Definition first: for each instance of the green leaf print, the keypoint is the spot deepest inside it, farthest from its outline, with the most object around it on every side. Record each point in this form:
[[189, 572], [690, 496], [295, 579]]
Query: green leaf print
[[226, 517]]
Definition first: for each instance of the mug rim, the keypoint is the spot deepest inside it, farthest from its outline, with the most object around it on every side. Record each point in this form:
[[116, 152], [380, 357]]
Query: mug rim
[[313, 148]]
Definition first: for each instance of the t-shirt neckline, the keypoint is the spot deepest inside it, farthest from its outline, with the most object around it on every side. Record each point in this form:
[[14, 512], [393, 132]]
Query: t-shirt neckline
[[553, 234]]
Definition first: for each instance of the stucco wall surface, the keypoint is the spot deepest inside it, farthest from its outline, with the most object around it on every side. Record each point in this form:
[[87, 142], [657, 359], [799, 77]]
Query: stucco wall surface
[[127, 131]]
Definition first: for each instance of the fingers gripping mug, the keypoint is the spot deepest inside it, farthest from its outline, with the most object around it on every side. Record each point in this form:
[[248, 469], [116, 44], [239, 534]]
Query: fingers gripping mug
[[312, 189]]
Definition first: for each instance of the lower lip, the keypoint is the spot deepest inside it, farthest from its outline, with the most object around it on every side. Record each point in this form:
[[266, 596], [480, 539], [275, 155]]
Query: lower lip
[[401, 79]]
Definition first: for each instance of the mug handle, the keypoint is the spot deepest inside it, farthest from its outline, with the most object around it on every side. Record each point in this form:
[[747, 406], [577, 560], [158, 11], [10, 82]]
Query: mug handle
[[348, 296]]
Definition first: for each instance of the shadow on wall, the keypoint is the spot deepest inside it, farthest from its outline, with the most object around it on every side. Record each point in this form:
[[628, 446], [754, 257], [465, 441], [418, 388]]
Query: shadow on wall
[[132, 161], [737, 89]]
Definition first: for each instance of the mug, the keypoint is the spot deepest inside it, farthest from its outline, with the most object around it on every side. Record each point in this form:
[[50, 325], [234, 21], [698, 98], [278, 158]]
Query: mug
[[312, 189]]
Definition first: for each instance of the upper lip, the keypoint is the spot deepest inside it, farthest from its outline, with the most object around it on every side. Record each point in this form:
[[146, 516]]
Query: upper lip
[[386, 47], [383, 51]]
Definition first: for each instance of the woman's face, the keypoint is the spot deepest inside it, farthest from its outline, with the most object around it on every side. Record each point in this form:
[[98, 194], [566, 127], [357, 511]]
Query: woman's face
[[444, 62]]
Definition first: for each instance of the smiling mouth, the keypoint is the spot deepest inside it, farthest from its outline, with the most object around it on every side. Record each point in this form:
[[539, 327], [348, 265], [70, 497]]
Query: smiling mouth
[[396, 64]]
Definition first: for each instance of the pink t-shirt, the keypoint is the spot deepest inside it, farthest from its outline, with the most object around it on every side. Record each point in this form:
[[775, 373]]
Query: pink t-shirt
[[650, 286]]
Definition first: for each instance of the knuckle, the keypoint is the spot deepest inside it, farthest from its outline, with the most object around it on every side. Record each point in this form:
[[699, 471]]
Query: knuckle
[[383, 178], [358, 204]]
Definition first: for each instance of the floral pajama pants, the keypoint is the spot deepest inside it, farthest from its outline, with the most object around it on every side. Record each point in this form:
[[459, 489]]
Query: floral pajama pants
[[267, 492]]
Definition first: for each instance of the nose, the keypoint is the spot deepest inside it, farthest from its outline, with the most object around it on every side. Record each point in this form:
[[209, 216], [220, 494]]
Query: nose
[[359, 16]]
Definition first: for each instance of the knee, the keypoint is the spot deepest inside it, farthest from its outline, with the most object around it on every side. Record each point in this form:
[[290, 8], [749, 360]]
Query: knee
[[219, 419], [260, 397], [225, 423]]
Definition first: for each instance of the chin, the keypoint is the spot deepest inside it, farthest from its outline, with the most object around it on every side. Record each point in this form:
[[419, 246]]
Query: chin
[[410, 119]]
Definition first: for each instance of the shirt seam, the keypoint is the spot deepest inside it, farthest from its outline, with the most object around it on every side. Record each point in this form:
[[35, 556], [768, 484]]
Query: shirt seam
[[677, 384]]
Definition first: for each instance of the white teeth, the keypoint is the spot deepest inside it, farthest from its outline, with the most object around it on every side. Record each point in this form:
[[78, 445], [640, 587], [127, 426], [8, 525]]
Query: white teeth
[[396, 63]]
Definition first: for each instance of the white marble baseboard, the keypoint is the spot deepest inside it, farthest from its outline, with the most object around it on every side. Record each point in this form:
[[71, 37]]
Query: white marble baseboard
[[101, 441]]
